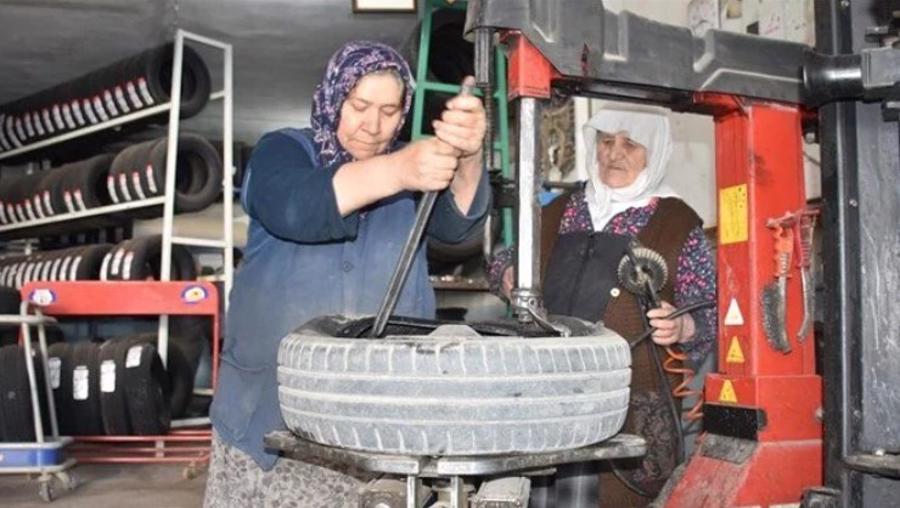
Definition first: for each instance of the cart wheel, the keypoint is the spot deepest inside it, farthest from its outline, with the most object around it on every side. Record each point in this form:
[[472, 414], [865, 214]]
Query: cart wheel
[[68, 480], [45, 490]]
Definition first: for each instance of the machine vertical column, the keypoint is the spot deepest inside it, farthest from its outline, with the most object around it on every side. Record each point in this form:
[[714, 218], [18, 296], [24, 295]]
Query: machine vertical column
[[529, 83], [763, 407]]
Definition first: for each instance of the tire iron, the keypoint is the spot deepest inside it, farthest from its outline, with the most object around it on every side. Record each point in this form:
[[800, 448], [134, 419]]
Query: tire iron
[[404, 264]]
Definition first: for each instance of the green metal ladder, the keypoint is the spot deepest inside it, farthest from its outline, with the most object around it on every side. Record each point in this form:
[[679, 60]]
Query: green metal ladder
[[423, 86]]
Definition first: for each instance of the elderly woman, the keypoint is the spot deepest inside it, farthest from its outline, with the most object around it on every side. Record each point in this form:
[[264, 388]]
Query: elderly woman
[[585, 235], [330, 208]]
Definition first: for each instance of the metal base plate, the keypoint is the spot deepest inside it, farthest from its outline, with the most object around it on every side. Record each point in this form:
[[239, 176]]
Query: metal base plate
[[618, 447]]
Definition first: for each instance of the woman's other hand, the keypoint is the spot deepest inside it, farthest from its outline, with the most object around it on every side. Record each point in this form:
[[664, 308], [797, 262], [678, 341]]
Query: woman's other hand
[[508, 282], [670, 331], [463, 125]]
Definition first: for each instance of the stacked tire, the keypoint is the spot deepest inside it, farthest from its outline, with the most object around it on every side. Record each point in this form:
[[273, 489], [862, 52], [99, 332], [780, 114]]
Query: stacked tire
[[69, 188], [118, 387], [127, 86], [141, 259], [76, 263], [139, 172]]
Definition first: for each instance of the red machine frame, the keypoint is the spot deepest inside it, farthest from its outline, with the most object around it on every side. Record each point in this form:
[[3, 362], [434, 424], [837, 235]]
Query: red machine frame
[[759, 178], [125, 298]]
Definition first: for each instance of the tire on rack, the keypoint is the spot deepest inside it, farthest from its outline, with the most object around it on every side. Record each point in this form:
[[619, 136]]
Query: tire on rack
[[178, 370], [145, 259], [91, 260], [141, 178], [85, 394], [70, 258], [59, 359], [198, 179], [15, 395], [146, 388], [117, 177], [9, 304], [88, 184], [111, 266], [53, 191], [113, 402], [452, 392], [195, 84]]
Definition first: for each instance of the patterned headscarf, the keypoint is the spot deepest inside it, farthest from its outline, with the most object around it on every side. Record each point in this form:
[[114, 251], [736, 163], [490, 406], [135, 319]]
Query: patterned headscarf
[[346, 67]]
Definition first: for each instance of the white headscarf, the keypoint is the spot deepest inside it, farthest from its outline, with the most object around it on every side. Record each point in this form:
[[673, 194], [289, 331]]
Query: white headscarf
[[650, 128]]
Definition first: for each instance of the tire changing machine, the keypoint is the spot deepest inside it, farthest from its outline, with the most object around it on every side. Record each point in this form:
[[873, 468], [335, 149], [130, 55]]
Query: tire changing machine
[[763, 419]]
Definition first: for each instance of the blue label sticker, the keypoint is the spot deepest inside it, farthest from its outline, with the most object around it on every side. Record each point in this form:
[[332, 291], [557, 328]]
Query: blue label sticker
[[42, 297], [194, 294]]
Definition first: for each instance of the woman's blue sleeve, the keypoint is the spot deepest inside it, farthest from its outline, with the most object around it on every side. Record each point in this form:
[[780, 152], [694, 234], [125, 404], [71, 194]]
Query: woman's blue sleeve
[[291, 196], [448, 224]]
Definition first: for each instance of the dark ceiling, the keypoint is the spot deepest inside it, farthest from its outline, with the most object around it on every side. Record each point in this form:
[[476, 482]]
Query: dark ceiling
[[280, 47]]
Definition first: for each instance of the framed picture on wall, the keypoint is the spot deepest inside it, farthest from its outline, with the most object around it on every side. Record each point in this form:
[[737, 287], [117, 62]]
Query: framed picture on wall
[[404, 6]]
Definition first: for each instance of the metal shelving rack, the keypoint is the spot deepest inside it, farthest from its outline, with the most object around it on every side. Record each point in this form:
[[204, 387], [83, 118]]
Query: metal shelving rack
[[154, 291], [167, 200]]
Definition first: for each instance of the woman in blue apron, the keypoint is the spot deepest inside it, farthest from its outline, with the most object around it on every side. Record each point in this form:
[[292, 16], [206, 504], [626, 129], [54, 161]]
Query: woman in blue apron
[[330, 208]]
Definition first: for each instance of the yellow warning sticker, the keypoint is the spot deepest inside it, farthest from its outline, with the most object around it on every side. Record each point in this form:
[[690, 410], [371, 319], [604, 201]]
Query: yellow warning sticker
[[735, 354], [733, 215], [726, 394]]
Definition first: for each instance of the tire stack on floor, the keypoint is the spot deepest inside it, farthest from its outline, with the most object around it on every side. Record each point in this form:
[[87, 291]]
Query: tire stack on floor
[[119, 386], [125, 87]]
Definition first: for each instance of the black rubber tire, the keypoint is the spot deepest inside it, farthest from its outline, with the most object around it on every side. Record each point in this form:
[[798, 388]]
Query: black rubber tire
[[178, 370], [10, 300], [9, 304], [91, 260], [15, 395], [111, 265], [86, 397], [70, 259], [52, 184], [60, 361], [146, 258], [89, 181], [113, 403], [141, 178], [198, 174], [452, 392], [195, 85], [147, 391], [191, 333], [121, 166]]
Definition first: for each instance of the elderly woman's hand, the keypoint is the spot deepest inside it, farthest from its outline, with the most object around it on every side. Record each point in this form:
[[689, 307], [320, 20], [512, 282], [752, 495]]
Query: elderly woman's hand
[[427, 165], [670, 331], [463, 125]]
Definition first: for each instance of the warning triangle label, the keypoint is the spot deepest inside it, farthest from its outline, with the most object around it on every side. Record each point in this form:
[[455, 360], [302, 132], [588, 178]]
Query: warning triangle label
[[726, 394], [734, 317], [735, 354]]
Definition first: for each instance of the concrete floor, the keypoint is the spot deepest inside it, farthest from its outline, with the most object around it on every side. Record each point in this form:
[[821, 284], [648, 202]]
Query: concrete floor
[[101, 486]]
